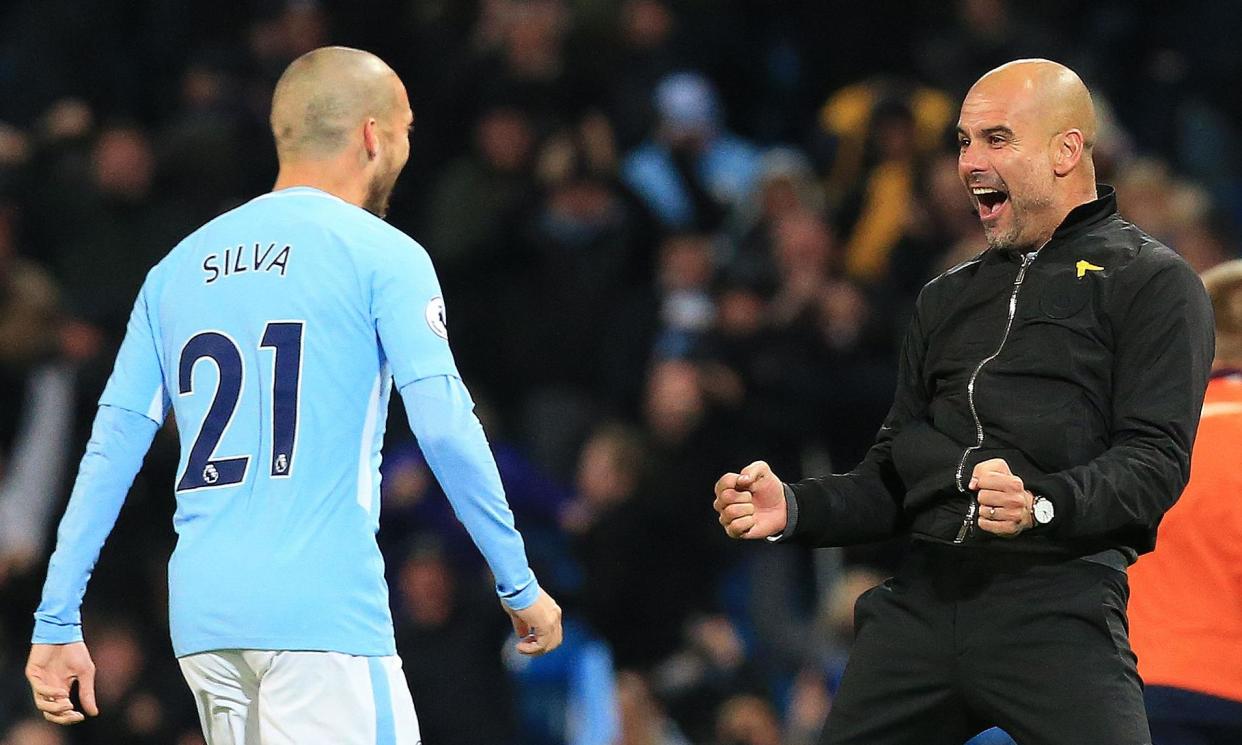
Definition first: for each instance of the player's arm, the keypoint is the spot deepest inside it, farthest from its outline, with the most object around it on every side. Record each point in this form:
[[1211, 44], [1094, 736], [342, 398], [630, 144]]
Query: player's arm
[[441, 415], [129, 414], [408, 314]]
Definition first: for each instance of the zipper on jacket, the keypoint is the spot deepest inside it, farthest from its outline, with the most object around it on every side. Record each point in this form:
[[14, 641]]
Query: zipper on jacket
[[968, 522]]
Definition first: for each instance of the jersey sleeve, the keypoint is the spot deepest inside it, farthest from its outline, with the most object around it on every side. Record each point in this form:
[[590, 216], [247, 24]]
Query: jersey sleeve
[[119, 441], [407, 308], [137, 381], [441, 416]]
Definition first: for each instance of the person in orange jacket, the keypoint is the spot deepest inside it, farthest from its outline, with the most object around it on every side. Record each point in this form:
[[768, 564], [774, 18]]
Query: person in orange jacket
[[1186, 597]]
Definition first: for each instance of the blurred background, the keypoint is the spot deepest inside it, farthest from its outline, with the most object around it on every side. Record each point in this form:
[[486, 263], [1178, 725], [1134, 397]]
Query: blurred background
[[674, 236]]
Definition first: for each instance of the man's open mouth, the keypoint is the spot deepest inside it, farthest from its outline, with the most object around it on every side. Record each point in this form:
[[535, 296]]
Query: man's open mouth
[[990, 201]]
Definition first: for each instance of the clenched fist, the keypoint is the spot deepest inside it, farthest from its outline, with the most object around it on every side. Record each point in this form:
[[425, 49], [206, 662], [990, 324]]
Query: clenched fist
[[1005, 506], [751, 504]]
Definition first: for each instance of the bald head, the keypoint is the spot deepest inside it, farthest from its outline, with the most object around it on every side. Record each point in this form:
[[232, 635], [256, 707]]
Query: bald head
[[1025, 135], [327, 94], [1050, 93]]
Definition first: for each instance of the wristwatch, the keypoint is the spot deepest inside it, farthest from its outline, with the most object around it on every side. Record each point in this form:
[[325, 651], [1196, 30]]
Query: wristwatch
[[1042, 510]]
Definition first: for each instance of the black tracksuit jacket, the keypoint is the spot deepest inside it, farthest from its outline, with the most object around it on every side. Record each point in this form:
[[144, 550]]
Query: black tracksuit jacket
[[1089, 360]]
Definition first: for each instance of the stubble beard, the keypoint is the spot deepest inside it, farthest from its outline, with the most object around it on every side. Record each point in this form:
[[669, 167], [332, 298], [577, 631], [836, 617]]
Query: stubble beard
[[1011, 239], [1003, 240], [379, 192]]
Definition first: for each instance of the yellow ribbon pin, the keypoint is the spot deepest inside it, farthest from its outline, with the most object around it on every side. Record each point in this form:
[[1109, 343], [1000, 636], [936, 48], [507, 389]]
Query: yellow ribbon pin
[[1085, 266]]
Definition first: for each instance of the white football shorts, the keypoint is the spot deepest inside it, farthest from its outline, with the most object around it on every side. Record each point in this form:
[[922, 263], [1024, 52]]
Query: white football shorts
[[254, 697]]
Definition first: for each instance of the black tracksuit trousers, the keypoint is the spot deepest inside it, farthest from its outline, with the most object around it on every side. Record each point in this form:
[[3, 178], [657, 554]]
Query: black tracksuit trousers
[[961, 640]]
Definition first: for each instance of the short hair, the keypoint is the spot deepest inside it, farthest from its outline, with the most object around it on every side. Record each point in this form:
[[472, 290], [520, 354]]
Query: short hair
[[1224, 287], [323, 94]]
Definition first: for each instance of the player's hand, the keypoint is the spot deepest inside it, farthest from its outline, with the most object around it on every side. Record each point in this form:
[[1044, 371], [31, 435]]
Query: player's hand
[[1004, 503], [51, 670], [751, 504], [538, 626]]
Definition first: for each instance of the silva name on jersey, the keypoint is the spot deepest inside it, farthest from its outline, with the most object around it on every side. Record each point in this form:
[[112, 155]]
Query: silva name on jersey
[[241, 259]]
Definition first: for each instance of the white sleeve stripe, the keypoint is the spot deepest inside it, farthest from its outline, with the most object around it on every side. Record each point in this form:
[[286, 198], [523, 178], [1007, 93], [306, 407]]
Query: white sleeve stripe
[[155, 411], [365, 466]]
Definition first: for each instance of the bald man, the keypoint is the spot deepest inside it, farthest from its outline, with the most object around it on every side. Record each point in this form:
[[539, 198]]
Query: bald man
[[275, 334], [1048, 395]]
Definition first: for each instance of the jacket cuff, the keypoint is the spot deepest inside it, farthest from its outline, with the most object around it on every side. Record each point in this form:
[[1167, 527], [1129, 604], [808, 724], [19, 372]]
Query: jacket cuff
[[791, 517], [811, 507], [1058, 491]]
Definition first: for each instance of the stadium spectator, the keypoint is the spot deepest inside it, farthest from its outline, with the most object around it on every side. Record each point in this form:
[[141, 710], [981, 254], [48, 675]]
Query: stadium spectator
[[1186, 597], [686, 440], [520, 51], [36, 403], [806, 256], [477, 201], [415, 504], [584, 247], [974, 35], [569, 697], [648, 49], [888, 187], [914, 118], [642, 718], [1043, 502], [691, 171], [450, 638], [604, 521], [760, 372], [711, 666], [669, 317], [747, 720], [212, 151], [103, 229], [786, 185], [35, 732]]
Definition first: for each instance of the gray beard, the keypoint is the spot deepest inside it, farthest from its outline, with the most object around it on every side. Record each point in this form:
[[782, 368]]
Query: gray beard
[[1006, 241], [1000, 242]]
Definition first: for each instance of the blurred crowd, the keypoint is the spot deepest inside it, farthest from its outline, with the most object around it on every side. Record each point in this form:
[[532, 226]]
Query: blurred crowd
[[674, 236]]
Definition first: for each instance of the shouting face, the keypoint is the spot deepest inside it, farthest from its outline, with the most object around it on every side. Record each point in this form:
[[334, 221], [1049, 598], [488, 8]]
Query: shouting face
[[1003, 163], [1022, 136]]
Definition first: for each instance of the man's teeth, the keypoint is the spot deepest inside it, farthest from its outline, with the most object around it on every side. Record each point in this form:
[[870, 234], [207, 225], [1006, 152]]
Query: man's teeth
[[980, 191]]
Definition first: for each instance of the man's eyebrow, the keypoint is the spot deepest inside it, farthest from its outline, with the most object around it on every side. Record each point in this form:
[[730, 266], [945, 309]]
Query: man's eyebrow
[[998, 129]]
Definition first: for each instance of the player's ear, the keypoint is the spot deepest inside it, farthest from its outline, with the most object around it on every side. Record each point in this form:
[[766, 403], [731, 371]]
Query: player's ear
[[371, 138], [1069, 147]]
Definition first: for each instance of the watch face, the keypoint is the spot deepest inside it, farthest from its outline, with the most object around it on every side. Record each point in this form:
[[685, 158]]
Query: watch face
[[1043, 511]]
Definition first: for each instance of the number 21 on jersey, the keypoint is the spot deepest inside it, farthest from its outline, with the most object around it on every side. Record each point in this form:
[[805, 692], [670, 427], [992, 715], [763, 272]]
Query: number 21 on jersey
[[203, 468]]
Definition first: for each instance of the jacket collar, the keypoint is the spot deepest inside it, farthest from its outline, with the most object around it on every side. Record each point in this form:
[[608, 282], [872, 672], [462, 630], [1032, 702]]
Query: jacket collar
[[1086, 216], [1082, 218]]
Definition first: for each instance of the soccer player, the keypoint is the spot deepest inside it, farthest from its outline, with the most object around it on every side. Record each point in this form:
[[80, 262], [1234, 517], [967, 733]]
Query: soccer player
[[275, 333]]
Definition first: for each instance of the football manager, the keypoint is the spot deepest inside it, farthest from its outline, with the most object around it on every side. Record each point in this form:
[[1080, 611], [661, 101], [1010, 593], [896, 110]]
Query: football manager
[[1047, 399]]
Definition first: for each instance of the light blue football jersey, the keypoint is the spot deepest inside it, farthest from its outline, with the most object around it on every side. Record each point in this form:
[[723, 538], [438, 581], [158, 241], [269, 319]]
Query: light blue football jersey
[[274, 333]]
